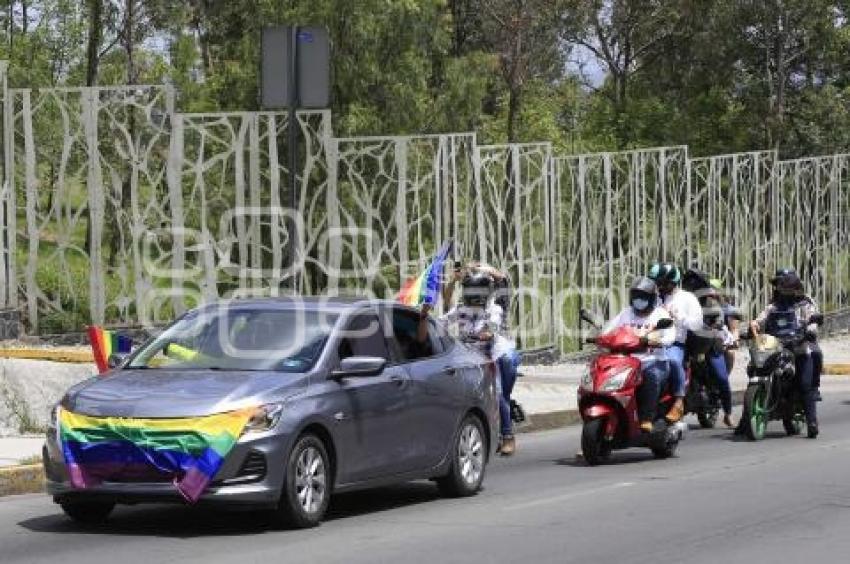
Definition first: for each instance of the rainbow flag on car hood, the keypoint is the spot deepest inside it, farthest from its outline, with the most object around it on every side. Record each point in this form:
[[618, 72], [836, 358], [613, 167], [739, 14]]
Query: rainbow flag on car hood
[[425, 288], [189, 451]]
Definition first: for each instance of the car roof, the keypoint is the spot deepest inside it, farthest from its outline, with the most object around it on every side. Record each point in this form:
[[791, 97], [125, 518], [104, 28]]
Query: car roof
[[333, 304]]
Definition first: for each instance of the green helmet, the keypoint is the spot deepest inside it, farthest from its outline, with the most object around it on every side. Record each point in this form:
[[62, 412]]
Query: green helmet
[[665, 273]]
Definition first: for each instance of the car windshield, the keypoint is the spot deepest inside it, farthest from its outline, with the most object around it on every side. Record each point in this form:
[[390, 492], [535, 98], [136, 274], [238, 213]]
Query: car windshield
[[222, 338]]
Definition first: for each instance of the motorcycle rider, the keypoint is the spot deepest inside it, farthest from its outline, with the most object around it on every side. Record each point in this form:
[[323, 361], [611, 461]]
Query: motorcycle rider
[[686, 312], [643, 314], [789, 295], [714, 320], [480, 319]]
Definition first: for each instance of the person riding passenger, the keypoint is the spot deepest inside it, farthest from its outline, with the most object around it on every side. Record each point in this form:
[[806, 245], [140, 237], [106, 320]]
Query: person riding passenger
[[481, 320], [686, 312], [714, 320], [643, 313]]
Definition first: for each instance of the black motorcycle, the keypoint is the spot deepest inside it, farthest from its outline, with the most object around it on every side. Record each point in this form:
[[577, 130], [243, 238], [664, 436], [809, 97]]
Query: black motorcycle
[[773, 392], [703, 395]]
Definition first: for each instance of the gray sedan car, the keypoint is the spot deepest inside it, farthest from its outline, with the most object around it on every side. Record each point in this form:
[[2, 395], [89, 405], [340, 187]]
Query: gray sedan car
[[353, 394]]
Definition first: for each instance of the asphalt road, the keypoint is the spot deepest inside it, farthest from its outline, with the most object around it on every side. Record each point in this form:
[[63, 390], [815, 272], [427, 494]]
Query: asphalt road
[[721, 500]]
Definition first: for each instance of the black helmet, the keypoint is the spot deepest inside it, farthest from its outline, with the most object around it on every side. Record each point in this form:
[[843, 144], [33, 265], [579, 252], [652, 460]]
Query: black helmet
[[788, 286], [665, 273], [782, 273], [477, 288], [695, 279], [643, 295]]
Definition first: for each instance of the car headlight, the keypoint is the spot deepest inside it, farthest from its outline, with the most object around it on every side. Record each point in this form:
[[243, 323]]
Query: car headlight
[[616, 381], [265, 417], [586, 382]]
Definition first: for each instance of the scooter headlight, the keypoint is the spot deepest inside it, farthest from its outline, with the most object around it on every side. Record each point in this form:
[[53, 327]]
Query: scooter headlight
[[586, 382], [616, 381]]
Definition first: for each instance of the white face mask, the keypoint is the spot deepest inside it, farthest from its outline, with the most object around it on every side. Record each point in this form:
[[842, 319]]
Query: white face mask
[[640, 304]]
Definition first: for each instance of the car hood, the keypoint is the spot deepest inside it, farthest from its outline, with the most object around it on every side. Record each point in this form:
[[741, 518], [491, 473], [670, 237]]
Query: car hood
[[178, 393]]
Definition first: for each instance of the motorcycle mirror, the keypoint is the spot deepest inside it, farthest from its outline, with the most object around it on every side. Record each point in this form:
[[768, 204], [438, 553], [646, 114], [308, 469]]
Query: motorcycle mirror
[[586, 316], [817, 319], [745, 335], [665, 323]]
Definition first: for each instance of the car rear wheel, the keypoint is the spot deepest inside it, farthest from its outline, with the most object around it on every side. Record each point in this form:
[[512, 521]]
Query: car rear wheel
[[87, 512], [469, 460], [306, 488]]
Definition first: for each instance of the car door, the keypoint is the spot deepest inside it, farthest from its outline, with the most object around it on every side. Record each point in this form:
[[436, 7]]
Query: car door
[[437, 393], [370, 412]]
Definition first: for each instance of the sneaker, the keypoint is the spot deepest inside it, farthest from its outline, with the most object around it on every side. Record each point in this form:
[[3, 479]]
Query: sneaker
[[818, 397], [646, 426], [813, 430], [676, 412], [727, 420], [507, 446]]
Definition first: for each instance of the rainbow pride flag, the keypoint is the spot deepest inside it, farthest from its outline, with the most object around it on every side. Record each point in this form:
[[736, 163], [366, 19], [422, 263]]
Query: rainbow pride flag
[[425, 288], [104, 343], [188, 451]]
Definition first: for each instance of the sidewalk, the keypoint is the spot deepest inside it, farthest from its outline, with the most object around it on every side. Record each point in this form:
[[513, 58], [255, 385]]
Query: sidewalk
[[15, 449]]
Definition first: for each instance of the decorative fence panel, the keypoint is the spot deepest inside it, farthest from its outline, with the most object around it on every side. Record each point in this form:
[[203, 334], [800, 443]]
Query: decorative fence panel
[[117, 209], [515, 231], [617, 213]]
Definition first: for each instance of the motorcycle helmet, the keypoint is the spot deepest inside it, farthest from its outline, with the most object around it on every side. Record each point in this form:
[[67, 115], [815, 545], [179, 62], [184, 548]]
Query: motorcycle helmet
[[477, 288], [643, 295], [666, 276], [695, 280], [787, 288], [782, 273]]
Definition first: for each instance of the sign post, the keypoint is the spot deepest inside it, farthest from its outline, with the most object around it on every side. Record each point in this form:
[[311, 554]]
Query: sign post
[[295, 73]]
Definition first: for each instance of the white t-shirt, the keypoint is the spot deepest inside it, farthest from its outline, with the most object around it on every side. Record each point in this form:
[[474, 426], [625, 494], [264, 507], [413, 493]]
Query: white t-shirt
[[643, 324], [472, 321], [686, 311]]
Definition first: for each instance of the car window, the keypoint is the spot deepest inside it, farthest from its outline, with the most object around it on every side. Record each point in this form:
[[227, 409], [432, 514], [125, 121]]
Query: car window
[[239, 338], [404, 336], [363, 337]]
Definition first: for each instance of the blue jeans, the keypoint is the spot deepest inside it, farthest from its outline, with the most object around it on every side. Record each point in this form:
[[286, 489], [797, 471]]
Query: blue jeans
[[718, 367], [676, 357], [508, 364], [804, 365], [655, 375]]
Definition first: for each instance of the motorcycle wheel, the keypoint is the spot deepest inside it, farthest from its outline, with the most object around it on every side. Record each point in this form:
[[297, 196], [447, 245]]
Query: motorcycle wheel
[[592, 448], [754, 407], [666, 451], [707, 420]]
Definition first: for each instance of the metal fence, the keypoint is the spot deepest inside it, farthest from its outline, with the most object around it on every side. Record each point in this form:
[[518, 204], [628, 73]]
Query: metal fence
[[118, 209]]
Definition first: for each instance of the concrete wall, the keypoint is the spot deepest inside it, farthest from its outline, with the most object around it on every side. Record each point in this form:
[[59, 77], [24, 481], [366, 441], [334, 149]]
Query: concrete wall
[[29, 388]]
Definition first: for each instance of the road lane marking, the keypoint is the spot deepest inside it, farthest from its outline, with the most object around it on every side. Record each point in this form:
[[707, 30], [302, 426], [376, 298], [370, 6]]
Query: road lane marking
[[564, 497]]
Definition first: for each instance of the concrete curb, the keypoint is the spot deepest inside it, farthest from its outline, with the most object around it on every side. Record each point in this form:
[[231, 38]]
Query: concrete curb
[[21, 479], [836, 369], [52, 355]]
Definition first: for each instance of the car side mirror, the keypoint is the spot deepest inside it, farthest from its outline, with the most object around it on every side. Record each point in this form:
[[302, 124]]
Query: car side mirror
[[115, 360], [587, 317], [359, 367], [665, 323]]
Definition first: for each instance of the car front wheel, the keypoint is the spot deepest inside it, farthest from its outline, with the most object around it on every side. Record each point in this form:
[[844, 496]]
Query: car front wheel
[[469, 459], [306, 488]]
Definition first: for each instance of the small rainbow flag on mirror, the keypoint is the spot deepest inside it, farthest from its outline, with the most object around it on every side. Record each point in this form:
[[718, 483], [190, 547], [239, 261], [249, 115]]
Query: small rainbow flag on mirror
[[104, 343], [425, 288]]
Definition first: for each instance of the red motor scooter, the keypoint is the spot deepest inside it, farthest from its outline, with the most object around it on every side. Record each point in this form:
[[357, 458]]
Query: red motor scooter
[[608, 404]]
